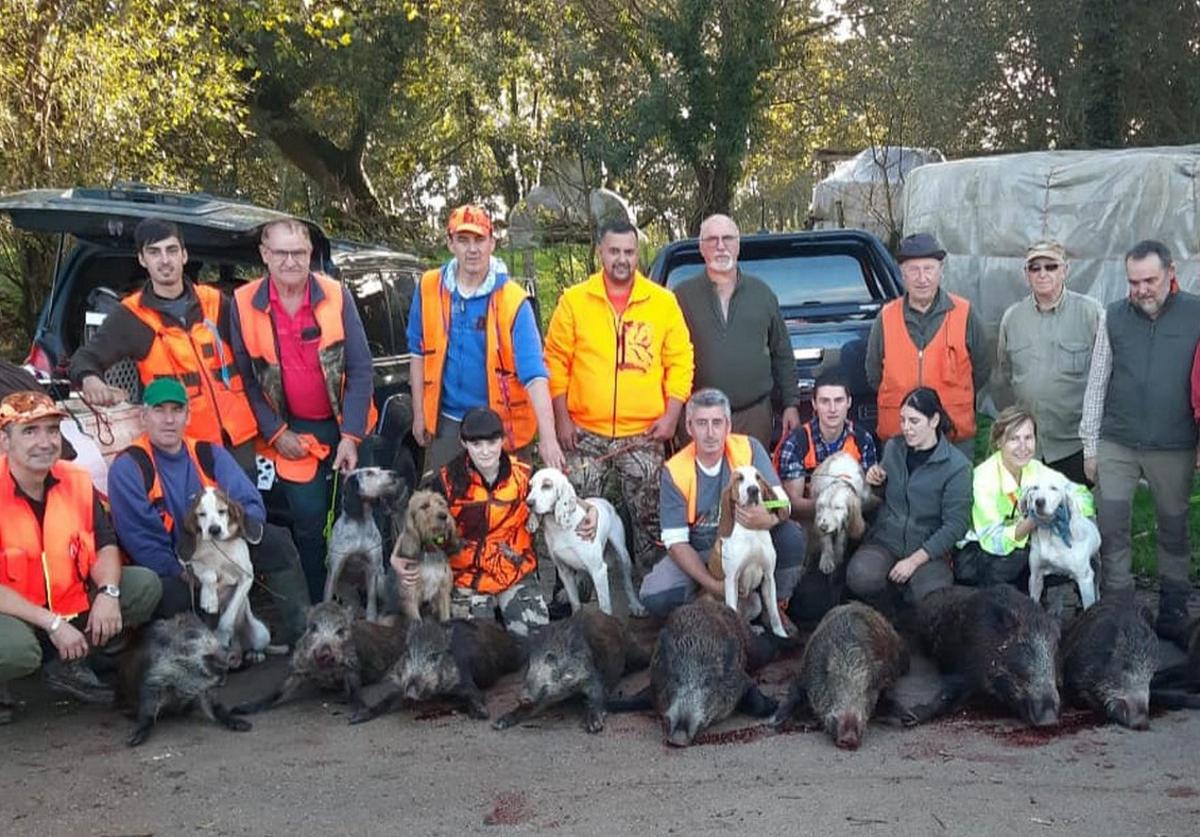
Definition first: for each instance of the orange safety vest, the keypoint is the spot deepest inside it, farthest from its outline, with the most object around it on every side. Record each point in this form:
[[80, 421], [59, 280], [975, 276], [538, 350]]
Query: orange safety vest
[[258, 336], [849, 446], [506, 396], [143, 453], [682, 467], [481, 565], [200, 360], [944, 365], [48, 564]]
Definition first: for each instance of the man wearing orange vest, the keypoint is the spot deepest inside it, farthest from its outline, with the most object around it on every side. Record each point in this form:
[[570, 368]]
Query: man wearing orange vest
[[927, 338], [829, 432], [62, 588], [173, 328], [301, 347], [620, 361], [475, 343], [690, 507], [151, 485], [494, 571]]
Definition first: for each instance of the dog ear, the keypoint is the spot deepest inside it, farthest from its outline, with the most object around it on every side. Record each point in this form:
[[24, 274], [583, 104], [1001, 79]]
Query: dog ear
[[764, 488], [408, 544], [352, 503], [856, 527], [1023, 501], [237, 515], [190, 524], [564, 504], [728, 494]]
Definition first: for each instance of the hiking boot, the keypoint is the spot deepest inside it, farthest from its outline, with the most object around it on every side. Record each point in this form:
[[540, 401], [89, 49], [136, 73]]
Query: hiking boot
[[1173, 623], [76, 678], [8, 706]]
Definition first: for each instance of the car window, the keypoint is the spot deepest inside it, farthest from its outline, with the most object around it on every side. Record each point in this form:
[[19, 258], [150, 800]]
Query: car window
[[370, 291], [799, 280]]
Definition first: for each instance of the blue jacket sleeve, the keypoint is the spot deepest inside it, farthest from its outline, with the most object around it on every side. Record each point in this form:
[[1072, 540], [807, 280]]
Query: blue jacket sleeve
[[139, 527], [360, 383], [415, 330], [269, 422], [236, 484], [527, 346]]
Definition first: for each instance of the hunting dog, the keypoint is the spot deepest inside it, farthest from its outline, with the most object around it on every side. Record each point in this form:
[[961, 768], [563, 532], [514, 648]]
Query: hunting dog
[[747, 556], [430, 536], [1064, 540], [221, 566], [356, 540], [839, 489], [554, 505]]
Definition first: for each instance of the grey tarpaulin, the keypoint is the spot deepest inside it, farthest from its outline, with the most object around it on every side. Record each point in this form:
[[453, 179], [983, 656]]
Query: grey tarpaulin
[[986, 211], [867, 191]]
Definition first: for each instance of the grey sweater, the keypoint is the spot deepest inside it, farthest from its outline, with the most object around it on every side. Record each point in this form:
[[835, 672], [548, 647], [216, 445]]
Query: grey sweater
[[746, 356]]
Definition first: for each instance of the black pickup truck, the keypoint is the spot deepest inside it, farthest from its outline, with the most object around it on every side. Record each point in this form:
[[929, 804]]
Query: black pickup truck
[[831, 285]]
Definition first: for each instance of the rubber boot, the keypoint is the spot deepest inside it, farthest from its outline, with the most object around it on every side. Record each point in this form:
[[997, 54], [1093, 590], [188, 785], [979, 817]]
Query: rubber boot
[[290, 592], [1173, 622]]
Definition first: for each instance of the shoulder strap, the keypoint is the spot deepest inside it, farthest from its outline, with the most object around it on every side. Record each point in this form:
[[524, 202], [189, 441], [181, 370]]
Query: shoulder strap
[[145, 465], [206, 459]]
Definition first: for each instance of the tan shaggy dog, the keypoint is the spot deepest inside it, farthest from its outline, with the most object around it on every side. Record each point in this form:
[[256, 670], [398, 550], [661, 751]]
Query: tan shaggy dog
[[430, 537]]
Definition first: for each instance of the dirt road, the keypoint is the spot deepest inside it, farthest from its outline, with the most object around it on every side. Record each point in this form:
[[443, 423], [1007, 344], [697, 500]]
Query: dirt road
[[302, 770]]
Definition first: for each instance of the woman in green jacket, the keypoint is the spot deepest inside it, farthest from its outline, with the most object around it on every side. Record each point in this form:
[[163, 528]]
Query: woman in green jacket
[[996, 550]]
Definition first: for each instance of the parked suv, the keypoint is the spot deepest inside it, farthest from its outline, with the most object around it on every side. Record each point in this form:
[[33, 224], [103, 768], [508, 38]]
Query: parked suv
[[96, 265], [831, 285]]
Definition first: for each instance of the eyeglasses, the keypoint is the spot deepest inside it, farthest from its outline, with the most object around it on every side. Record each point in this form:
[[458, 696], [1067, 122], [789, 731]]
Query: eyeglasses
[[713, 240], [1049, 267], [284, 256]]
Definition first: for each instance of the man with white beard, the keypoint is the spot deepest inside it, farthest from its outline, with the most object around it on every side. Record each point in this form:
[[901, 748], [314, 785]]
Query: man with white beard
[[740, 340]]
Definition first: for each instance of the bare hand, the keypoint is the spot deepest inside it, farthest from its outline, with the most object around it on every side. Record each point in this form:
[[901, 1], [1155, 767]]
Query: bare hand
[[408, 572], [420, 433], [289, 446], [789, 421], [902, 570], [104, 619], [1089, 467], [551, 453], [663, 430], [568, 434], [96, 392], [876, 475], [755, 517], [586, 530], [69, 641], [346, 457]]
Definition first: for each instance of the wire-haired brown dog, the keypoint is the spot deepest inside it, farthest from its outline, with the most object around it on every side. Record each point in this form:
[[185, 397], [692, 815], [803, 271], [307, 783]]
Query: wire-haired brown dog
[[221, 566], [430, 537]]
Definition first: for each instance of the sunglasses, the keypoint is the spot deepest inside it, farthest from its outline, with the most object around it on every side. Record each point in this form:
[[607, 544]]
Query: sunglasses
[[1038, 268]]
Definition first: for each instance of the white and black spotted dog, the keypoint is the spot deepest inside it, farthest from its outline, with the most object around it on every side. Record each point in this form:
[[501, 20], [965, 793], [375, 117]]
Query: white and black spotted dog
[[356, 541], [221, 567]]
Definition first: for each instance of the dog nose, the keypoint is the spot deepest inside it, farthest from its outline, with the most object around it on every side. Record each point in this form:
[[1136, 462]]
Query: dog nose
[[214, 530], [443, 516]]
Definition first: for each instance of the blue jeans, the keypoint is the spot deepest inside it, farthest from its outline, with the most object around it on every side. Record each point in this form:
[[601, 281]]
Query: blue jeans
[[788, 540], [309, 503]]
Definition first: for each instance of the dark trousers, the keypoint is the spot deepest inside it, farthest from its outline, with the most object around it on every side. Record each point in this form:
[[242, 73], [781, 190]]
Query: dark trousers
[[1072, 468], [309, 503], [867, 577], [974, 566], [275, 557]]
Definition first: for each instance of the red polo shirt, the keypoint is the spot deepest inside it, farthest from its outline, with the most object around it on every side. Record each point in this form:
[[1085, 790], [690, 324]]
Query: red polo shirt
[[303, 380]]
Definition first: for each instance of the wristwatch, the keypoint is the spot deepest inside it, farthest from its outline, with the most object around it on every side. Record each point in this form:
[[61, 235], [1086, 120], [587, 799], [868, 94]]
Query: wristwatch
[[111, 590], [55, 624]]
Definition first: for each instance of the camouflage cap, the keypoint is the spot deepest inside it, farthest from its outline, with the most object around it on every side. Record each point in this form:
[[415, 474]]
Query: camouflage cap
[[26, 406]]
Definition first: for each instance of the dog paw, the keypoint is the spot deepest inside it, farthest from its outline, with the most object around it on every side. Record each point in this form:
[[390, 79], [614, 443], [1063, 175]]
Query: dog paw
[[594, 722], [254, 657], [637, 609], [827, 565]]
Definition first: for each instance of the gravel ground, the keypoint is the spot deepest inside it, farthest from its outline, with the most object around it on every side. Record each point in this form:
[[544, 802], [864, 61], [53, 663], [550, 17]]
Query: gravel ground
[[302, 770]]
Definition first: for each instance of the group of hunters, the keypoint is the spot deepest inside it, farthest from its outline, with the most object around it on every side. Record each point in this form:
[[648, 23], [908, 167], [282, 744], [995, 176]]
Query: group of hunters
[[628, 369]]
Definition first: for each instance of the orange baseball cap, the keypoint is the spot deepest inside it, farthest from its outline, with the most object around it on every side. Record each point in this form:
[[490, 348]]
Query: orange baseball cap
[[470, 218], [26, 406], [305, 468]]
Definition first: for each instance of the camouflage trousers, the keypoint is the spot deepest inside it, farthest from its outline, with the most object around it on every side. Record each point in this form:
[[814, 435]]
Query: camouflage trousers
[[637, 470], [521, 606]]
